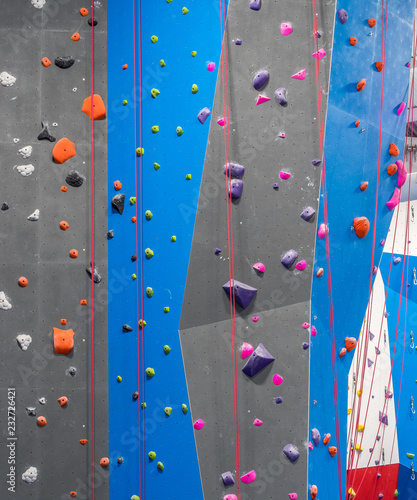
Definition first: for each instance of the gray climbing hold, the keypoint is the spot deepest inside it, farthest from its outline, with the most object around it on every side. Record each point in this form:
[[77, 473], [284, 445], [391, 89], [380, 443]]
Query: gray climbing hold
[[24, 341], [291, 452], [135, 396], [203, 115], [45, 134], [316, 161], [281, 96], [244, 294], [228, 478], [234, 170], [72, 371], [93, 275], [257, 361], [255, 4], [289, 258], [74, 179], [127, 328], [5, 206], [92, 21], [342, 15], [308, 213], [235, 189], [120, 460], [64, 62], [315, 436], [118, 203], [261, 79], [31, 411], [110, 234]]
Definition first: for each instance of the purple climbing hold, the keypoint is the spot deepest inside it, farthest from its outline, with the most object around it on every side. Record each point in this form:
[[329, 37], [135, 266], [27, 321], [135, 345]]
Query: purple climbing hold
[[244, 294], [238, 42], [342, 15], [291, 452], [380, 496], [383, 418], [376, 462], [275, 185], [261, 79], [289, 258], [255, 4], [315, 436], [378, 437], [306, 345], [217, 251], [234, 170], [370, 362], [235, 189], [377, 351], [371, 336], [203, 115], [281, 96], [307, 213], [259, 359], [228, 478], [397, 260], [278, 400], [316, 161], [378, 475]]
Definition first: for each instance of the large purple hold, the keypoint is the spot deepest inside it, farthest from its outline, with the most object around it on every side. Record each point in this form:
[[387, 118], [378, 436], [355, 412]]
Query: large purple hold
[[307, 213], [235, 188], [315, 436], [260, 79], [228, 478], [244, 294], [255, 4], [342, 15], [203, 115], [291, 452], [234, 170], [281, 96], [258, 360], [289, 258]]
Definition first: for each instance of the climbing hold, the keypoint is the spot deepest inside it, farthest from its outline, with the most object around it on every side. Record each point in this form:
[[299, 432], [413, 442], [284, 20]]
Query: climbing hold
[[286, 28], [132, 200], [300, 266], [234, 170], [134, 277], [63, 341], [24, 341], [249, 477], [255, 319], [203, 115], [119, 378], [5, 206], [332, 450], [401, 108], [104, 462], [179, 131], [278, 400], [342, 352], [41, 421], [30, 475], [154, 38], [393, 150], [99, 109], [357, 123], [238, 42], [73, 253], [247, 350], [308, 213], [166, 309], [84, 12], [149, 291], [235, 188], [162, 63], [194, 53], [188, 177], [319, 272], [396, 493], [255, 4], [289, 258], [392, 169], [124, 66], [277, 379], [261, 99], [259, 267], [410, 455], [118, 203], [168, 411], [383, 418], [305, 325], [402, 173], [364, 185], [63, 150], [64, 62], [46, 62], [140, 151], [284, 175], [45, 134], [353, 40], [150, 372], [148, 215], [222, 121], [149, 253], [92, 21], [23, 281], [361, 427], [152, 455], [315, 436], [160, 466], [351, 493], [258, 360], [316, 161], [4, 302], [95, 276], [75, 37], [155, 93], [211, 66], [342, 15], [167, 349], [120, 460], [319, 54], [185, 10], [361, 84], [379, 65], [173, 239], [142, 323], [261, 79], [74, 179], [326, 439], [25, 152], [127, 328], [395, 199], [243, 294], [6, 79], [63, 400], [117, 185], [323, 231], [371, 22], [361, 226], [217, 251], [25, 170], [291, 452], [293, 496], [198, 424], [194, 89], [300, 75], [83, 302], [350, 343], [184, 408], [228, 478], [155, 129]]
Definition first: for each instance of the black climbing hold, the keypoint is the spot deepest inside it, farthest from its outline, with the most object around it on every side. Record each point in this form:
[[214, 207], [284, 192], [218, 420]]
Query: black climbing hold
[[5, 206], [120, 460], [307, 213], [258, 360], [75, 179], [64, 62], [118, 203], [133, 258], [110, 234], [95, 276], [135, 396], [72, 371], [127, 328], [46, 134], [92, 21]]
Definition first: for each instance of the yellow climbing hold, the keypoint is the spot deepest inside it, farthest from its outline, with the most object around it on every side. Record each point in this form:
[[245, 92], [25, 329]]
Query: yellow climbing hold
[[359, 448], [351, 493], [154, 38], [349, 411], [359, 392], [185, 10], [360, 428], [140, 151]]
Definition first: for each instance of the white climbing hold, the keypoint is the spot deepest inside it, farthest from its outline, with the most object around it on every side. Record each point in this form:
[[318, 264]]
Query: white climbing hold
[[30, 475], [4, 302], [300, 75], [6, 79], [42, 400], [38, 4], [16, 140], [25, 170], [34, 216], [24, 341], [26, 151]]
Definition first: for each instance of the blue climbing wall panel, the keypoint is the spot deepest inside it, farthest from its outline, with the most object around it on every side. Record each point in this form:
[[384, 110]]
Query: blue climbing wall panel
[[165, 192], [351, 157]]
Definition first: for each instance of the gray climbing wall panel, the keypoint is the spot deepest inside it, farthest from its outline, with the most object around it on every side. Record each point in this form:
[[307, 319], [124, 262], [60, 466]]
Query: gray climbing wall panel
[[266, 223], [39, 250]]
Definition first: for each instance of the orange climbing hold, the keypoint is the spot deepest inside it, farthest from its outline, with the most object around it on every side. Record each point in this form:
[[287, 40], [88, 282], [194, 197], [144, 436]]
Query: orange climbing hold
[[361, 84], [379, 65], [75, 37], [392, 169], [63, 341], [393, 150], [46, 62], [83, 302], [63, 321], [313, 491], [326, 438], [361, 226], [332, 450], [357, 123], [23, 281], [353, 40], [99, 110], [73, 253], [364, 185], [64, 189], [84, 12], [320, 272], [41, 421], [342, 352], [133, 219], [372, 22], [124, 66], [83, 441], [73, 494], [104, 462], [117, 185], [64, 150], [350, 343], [64, 225], [63, 400]]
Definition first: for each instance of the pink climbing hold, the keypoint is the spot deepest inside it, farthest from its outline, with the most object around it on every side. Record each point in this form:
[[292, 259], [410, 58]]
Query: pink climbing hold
[[259, 267], [247, 350], [281, 135], [255, 319], [211, 66], [310, 446], [323, 231], [262, 98], [198, 424], [286, 29], [305, 325], [277, 379], [395, 199], [301, 265], [222, 122], [401, 108], [257, 422], [319, 54], [402, 173], [300, 75], [249, 477], [313, 331], [408, 64], [284, 175], [382, 242], [230, 496], [375, 270], [293, 496]]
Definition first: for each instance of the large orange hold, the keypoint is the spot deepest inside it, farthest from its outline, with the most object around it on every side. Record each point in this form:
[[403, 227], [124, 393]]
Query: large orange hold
[[393, 150], [361, 226], [64, 150], [332, 450], [313, 491], [361, 84], [392, 169], [99, 110], [350, 343], [379, 65], [371, 22], [63, 341]]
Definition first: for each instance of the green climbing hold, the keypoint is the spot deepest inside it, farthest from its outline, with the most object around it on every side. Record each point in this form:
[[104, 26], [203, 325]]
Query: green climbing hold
[[173, 238], [132, 200], [188, 177], [185, 10], [167, 349], [143, 406], [396, 493], [148, 215], [155, 129], [124, 102], [152, 455], [169, 1], [162, 63], [194, 53], [150, 372], [148, 253], [168, 411], [142, 323], [194, 89], [140, 151], [134, 277], [156, 166], [179, 131], [410, 455], [166, 309], [160, 465], [155, 93], [134, 497], [184, 408], [119, 378], [154, 38], [149, 291]]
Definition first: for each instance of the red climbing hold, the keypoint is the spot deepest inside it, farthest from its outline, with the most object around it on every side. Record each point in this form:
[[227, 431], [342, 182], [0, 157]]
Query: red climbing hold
[[63, 341], [371, 22], [364, 185], [83, 302], [73, 253], [332, 450], [361, 226], [64, 189], [393, 150], [350, 343], [117, 185], [73, 494], [63, 321], [124, 66], [99, 110], [63, 400], [379, 65], [353, 40], [392, 169], [83, 441], [64, 150], [361, 84]]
